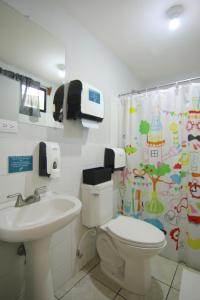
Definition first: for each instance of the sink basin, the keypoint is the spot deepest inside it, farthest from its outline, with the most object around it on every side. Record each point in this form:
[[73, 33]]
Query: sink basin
[[34, 224], [39, 219]]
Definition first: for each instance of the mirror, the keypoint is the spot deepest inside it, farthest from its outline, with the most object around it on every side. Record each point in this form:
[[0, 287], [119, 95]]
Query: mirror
[[32, 71]]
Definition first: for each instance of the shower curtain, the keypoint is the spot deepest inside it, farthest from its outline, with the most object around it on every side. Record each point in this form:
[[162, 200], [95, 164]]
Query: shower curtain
[[161, 182]]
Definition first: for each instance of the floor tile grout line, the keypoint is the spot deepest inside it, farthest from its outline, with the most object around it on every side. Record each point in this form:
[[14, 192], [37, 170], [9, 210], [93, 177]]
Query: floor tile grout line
[[174, 275], [78, 281], [106, 285], [115, 296], [172, 281], [89, 271], [168, 293], [161, 281], [118, 294]]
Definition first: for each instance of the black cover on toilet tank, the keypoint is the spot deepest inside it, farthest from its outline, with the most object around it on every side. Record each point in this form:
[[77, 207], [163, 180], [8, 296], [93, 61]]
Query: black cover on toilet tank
[[96, 175]]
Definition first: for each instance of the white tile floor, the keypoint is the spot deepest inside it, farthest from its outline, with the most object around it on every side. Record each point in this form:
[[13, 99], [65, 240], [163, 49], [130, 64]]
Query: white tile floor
[[92, 284]]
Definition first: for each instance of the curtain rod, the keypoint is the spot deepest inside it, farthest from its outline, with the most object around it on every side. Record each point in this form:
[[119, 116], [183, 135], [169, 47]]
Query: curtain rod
[[22, 78], [159, 87]]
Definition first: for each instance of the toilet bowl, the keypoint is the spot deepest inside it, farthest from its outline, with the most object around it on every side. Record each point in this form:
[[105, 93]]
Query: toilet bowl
[[125, 246]]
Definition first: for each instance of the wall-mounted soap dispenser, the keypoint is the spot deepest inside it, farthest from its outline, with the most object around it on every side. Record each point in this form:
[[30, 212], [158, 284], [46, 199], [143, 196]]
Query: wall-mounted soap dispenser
[[49, 159], [114, 158]]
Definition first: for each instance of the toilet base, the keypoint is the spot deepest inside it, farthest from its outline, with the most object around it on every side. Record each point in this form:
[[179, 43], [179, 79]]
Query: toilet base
[[127, 264], [136, 277]]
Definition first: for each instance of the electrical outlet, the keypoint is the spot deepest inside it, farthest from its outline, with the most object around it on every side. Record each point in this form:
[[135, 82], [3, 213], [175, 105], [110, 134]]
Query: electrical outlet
[[8, 126]]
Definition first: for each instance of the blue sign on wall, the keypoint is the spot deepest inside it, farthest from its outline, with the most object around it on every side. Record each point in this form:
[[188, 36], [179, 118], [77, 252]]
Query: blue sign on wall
[[20, 164], [94, 96]]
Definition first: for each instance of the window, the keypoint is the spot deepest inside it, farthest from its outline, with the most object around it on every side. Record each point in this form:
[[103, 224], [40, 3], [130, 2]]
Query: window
[[34, 97], [154, 153]]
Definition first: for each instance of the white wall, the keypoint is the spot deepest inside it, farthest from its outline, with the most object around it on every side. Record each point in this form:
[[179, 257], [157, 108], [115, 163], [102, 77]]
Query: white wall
[[89, 60]]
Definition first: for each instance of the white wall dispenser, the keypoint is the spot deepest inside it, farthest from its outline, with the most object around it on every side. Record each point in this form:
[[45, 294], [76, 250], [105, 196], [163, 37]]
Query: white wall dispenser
[[85, 102], [49, 159], [114, 158]]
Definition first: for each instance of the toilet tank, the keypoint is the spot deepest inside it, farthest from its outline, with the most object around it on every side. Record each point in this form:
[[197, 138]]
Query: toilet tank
[[97, 203]]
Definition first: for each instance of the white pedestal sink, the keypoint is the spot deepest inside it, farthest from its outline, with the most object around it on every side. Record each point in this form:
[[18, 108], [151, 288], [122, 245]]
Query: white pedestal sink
[[34, 224]]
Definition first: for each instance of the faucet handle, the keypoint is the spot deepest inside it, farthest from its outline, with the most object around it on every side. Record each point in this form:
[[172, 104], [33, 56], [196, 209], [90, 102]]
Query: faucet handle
[[19, 201], [40, 189], [18, 195]]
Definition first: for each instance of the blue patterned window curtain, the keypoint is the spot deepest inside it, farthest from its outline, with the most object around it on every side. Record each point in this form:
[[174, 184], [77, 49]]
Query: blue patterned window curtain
[[161, 182]]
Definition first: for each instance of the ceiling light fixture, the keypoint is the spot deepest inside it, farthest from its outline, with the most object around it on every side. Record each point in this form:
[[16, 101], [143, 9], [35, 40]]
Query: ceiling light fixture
[[173, 14], [174, 23], [61, 70]]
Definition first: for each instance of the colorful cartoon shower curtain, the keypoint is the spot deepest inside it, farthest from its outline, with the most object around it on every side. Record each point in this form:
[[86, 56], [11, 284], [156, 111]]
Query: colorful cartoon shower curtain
[[161, 182]]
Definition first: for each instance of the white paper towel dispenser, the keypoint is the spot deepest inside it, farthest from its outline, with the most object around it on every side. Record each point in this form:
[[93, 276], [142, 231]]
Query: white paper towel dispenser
[[114, 158], [49, 159], [85, 102]]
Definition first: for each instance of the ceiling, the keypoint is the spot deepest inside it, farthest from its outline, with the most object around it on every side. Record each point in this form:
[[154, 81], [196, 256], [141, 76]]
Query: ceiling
[[137, 32], [29, 47]]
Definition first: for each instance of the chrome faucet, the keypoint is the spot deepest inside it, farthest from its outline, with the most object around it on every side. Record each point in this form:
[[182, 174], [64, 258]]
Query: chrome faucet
[[30, 199]]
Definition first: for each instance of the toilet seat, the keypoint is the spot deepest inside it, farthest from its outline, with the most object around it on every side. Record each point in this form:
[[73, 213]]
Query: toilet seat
[[135, 232]]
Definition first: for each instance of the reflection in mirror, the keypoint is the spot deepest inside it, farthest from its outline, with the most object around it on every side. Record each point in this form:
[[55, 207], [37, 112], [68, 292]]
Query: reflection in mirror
[[58, 103], [32, 70], [35, 97], [9, 92]]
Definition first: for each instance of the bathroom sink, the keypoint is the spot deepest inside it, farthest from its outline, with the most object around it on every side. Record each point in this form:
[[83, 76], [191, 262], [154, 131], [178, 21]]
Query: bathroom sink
[[39, 219], [34, 225]]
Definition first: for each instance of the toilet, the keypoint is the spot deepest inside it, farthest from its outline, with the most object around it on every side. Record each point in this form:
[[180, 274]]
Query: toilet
[[125, 244]]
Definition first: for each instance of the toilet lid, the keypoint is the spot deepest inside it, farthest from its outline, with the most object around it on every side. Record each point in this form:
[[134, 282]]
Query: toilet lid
[[136, 232]]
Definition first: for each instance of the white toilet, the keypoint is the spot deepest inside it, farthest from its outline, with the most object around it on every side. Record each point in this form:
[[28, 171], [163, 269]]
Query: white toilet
[[125, 244]]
